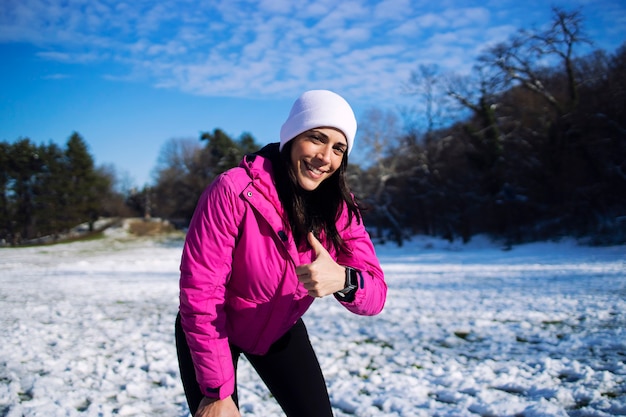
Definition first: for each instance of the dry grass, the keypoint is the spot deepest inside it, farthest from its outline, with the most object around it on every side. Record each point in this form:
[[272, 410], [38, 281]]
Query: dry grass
[[149, 227]]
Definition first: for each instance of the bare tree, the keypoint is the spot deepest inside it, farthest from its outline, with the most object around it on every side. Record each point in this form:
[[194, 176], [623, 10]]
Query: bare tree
[[427, 84], [177, 187], [380, 137], [524, 58], [177, 156], [479, 92], [381, 143]]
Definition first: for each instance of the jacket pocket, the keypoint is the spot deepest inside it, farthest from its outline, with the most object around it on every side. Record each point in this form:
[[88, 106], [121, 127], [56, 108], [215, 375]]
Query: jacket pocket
[[246, 322]]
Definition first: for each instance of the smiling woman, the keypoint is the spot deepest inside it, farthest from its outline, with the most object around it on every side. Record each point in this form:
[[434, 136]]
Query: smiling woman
[[319, 131], [316, 155], [266, 240]]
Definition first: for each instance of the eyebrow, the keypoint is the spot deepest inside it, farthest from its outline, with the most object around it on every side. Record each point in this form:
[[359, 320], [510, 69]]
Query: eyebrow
[[319, 132], [344, 144]]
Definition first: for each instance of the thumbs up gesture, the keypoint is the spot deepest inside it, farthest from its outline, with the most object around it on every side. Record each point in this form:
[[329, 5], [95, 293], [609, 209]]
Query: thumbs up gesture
[[323, 276]]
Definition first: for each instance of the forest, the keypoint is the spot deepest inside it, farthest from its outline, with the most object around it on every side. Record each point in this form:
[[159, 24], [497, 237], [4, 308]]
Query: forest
[[531, 145]]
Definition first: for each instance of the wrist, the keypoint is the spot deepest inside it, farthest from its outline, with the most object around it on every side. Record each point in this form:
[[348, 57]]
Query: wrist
[[351, 284], [207, 401]]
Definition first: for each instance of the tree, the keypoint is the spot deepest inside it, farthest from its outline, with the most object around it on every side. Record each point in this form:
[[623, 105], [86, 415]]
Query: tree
[[380, 140], [52, 206], [180, 179], [542, 150], [186, 168], [5, 178], [426, 83], [24, 164], [521, 59], [221, 151], [47, 190], [480, 93], [83, 184]]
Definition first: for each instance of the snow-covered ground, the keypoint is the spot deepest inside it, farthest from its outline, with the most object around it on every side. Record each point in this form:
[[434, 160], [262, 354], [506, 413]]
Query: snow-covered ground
[[86, 329]]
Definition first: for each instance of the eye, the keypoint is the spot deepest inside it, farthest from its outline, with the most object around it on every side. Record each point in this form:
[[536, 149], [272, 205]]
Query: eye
[[339, 149], [316, 138]]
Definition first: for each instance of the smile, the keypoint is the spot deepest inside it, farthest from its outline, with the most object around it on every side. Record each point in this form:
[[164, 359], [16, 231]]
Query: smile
[[315, 171]]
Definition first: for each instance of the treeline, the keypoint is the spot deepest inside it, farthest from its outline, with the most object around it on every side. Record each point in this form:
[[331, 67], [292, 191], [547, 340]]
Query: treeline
[[530, 146], [47, 190], [540, 154]]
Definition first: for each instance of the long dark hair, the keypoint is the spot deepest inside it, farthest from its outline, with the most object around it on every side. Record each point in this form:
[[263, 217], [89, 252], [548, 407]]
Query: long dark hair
[[317, 210]]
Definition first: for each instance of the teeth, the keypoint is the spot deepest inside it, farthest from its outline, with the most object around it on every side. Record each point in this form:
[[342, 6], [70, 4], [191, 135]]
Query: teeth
[[315, 170]]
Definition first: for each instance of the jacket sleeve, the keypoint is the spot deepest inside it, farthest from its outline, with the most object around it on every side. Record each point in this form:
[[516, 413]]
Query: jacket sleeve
[[204, 272], [371, 294]]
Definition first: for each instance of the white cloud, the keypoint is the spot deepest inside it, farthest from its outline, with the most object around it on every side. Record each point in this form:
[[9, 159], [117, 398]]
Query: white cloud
[[56, 77], [460, 17], [283, 7], [55, 56], [409, 28], [242, 47], [169, 48], [316, 9], [431, 20], [69, 57], [497, 34], [393, 9]]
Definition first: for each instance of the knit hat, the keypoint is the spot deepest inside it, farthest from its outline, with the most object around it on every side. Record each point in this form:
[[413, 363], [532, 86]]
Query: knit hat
[[319, 108]]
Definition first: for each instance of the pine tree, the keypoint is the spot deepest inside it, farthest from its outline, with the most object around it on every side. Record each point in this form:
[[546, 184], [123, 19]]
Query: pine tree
[[82, 182], [51, 190], [24, 165]]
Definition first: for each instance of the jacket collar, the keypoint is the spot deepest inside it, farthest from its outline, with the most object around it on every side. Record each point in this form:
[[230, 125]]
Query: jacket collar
[[259, 168]]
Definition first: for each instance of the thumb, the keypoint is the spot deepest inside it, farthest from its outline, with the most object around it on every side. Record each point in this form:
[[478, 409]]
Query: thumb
[[316, 245]]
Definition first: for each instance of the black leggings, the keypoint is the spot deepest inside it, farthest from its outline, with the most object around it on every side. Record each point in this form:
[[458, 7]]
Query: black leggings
[[290, 370]]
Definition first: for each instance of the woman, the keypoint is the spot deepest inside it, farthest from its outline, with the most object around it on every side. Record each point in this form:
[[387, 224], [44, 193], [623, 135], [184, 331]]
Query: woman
[[267, 238]]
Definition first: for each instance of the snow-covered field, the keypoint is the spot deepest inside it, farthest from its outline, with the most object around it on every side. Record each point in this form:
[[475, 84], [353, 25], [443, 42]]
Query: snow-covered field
[[86, 329]]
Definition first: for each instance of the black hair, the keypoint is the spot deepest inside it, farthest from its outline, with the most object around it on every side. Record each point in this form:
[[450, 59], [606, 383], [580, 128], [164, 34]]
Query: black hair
[[317, 210]]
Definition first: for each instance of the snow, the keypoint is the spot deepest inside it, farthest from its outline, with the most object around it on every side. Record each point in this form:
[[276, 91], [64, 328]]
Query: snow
[[468, 330]]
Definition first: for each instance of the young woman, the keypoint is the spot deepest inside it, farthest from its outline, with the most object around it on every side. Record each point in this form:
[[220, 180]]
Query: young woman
[[267, 238]]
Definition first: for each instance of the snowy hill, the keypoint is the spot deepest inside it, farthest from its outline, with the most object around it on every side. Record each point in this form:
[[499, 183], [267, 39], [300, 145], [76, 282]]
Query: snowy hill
[[87, 330]]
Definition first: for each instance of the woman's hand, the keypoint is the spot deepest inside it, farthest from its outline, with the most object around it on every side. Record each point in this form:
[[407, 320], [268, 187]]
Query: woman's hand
[[210, 407], [323, 276]]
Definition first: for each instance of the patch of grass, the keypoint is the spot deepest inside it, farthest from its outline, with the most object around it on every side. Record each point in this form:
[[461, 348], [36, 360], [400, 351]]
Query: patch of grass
[[25, 396], [142, 227], [551, 322], [610, 394], [372, 341]]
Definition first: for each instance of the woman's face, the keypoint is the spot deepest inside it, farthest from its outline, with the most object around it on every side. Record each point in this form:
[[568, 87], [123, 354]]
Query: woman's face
[[316, 154]]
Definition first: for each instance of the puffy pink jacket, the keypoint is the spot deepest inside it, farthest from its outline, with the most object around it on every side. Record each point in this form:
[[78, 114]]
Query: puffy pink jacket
[[238, 282]]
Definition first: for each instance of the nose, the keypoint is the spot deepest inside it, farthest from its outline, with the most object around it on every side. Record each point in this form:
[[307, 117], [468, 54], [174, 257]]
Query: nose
[[324, 153]]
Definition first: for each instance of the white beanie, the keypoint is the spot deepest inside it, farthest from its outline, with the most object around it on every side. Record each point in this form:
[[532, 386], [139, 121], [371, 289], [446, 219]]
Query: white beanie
[[319, 108]]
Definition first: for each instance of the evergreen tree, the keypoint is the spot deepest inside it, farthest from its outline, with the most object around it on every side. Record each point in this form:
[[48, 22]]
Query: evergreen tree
[[24, 165], [83, 184], [5, 176], [51, 203]]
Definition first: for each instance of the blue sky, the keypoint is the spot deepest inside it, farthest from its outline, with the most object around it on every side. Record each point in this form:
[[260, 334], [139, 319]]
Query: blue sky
[[129, 76]]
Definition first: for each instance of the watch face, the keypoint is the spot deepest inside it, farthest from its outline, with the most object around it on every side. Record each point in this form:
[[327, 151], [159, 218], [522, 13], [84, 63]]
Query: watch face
[[352, 278], [352, 283]]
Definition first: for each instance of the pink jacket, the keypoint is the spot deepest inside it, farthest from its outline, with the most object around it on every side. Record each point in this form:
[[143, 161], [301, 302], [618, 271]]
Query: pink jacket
[[238, 282]]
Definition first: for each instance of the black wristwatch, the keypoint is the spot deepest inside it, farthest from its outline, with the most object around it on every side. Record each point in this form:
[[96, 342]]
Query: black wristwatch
[[351, 285]]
